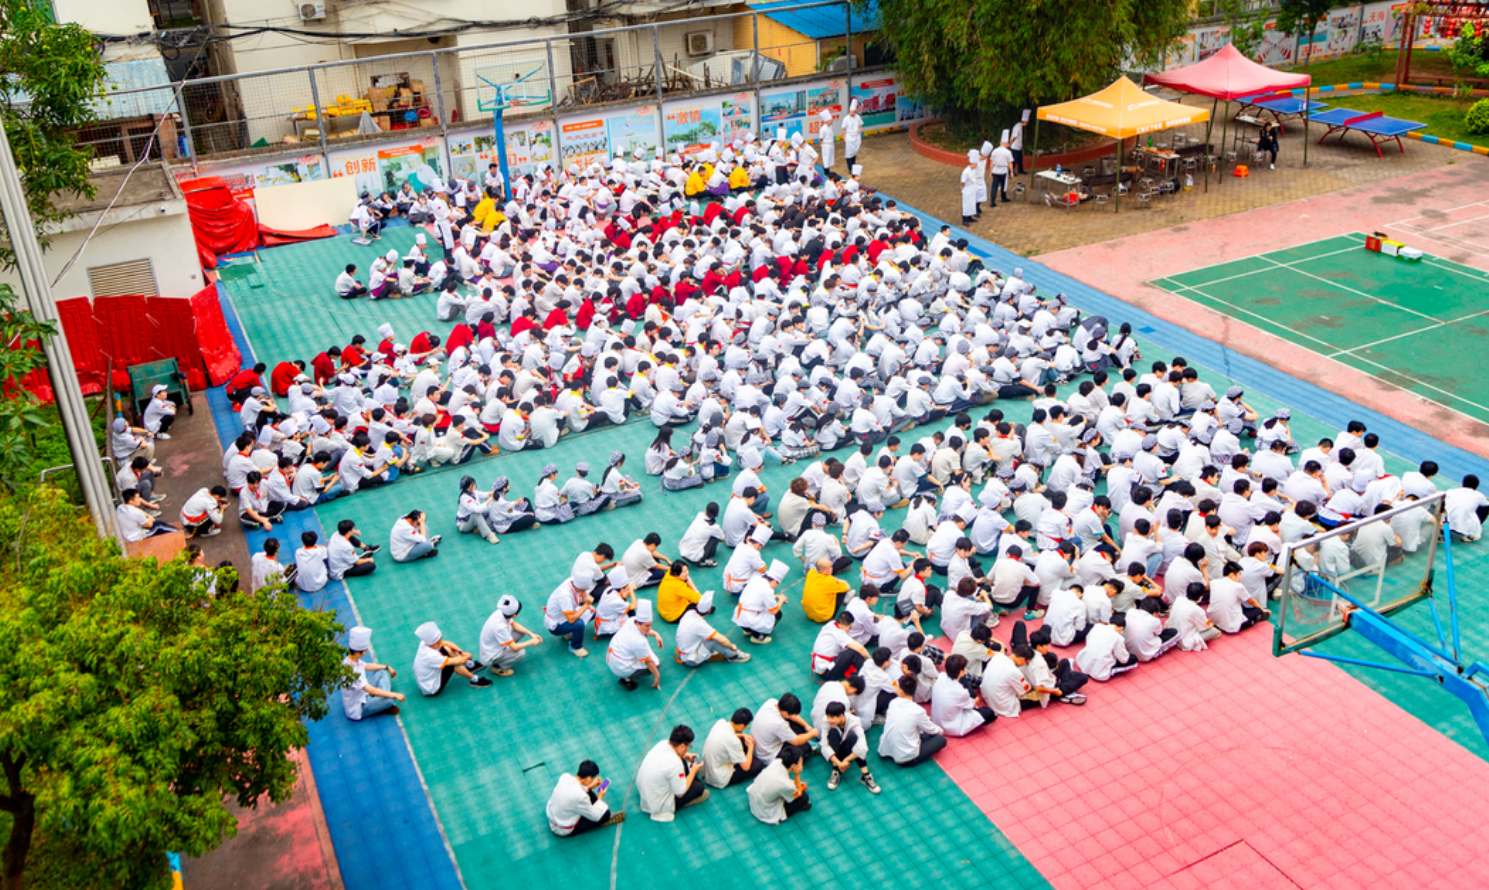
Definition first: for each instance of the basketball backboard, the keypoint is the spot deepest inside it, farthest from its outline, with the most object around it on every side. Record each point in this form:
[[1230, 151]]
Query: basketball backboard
[[513, 85]]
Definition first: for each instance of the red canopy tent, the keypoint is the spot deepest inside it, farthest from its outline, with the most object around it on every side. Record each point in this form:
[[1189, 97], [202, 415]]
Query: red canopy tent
[[1230, 75]]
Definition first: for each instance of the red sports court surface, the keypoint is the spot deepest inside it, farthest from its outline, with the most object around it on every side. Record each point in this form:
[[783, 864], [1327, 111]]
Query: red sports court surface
[[1231, 768], [1460, 229]]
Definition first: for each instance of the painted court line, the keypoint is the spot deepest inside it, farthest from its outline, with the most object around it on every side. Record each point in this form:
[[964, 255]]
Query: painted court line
[[1287, 265], [1331, 357], [1402, 222], [1442, 324], [1351, 290]]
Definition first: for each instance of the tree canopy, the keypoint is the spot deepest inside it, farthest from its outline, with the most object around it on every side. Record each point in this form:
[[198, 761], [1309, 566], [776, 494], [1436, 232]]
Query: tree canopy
[[49, 76], [135, 698], [1303, 17], [979, 61]]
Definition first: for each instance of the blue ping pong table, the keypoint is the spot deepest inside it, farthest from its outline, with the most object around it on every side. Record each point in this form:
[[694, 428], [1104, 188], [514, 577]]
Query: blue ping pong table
[[1374, 125], [1281, 107]]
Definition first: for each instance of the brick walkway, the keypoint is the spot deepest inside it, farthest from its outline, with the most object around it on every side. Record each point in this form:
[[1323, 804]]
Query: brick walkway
[[892, 166]]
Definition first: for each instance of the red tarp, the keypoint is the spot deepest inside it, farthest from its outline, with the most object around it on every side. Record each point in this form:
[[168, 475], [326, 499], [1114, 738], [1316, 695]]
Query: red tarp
[[113, 333], [1227, 75], [222, 223], [214, 341], [276, 237]]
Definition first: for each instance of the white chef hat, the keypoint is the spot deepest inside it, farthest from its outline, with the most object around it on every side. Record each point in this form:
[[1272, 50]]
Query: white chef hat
[[1004, 137], [618, 577], [987, 147], [508, 605], [971, 155], [428, 633], [385, 331], [852, 106], [643, 611], [420, 240], [359, 638], [796, 138], [1025, 118], [857, 169], [391, 256], [826, 115], [777, 570], [761, 535]]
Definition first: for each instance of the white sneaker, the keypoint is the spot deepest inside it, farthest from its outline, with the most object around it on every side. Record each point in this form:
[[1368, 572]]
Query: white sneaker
[[214, 531], [163, 437], [1272, 166], [579, 653]]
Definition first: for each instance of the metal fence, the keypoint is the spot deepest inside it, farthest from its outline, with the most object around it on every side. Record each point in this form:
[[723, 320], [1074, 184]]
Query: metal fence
[[315, 109]]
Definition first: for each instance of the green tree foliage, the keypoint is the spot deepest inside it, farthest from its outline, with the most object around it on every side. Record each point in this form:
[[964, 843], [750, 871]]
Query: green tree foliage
[[49, 76], [1477, 118], [1469, 54], [1303, 17], [1247, 27], [135, 698], [21, 418], [979, 61]]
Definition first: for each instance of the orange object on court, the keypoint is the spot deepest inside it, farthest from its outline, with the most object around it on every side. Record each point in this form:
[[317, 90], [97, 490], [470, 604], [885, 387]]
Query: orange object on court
[[1242, 171]]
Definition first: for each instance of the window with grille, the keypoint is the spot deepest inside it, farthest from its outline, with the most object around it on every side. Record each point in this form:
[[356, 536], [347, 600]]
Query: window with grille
[[136, 277]]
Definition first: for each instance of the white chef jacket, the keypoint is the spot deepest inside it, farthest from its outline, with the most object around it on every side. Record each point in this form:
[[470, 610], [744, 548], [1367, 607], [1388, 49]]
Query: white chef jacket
[[904, 722], [753, 611], [630, 651], [1104, 648], [569, 803], [952, 709], [660, 780]]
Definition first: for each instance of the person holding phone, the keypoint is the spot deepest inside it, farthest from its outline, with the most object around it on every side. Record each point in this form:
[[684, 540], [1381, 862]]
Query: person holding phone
[[578, 803]]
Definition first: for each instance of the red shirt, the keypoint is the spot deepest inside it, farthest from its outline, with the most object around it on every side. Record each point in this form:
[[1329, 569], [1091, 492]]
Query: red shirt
[[284, 374], [636, 305], [460, 335], [876, 248], [421, 343], [244, 379], [555, 318], [712, 212], [324, 367], [585, 316], [740, 213], [353, 357], [385, 348], [523, 324]]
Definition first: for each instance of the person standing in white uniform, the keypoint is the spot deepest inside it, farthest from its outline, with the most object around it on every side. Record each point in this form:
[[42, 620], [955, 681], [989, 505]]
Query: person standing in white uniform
[[852, 134], [827, 139], [667, 779], [1016, 143], [1002, 162], [969, 189]]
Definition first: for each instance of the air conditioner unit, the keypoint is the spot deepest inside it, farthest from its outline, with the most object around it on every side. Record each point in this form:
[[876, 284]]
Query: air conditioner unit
[[700, 43], [312, 12]]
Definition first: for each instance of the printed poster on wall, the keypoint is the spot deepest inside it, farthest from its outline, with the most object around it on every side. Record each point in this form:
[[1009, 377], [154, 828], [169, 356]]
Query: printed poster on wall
[[528, 146], [877, 100], [1277, 48], [242, 180], [635, 129], [1379, 25], [1344, 27], [690, 126], [583, 142], [1209, 41], [386, 169], [799, 110]]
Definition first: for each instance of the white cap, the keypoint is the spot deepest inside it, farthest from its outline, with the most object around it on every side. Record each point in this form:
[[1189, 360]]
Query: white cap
[[781, 133], [777, 570], [158, 388], [761, 535], [967, 513], [428, 633], [618, 577], [705, 602], [643, 611], [420, 239], [359, 638], [508, 605]]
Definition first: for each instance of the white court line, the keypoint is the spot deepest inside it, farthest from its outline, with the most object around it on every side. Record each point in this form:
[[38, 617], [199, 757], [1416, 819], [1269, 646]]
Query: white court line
[[1408, 219], [1353, 291], [1330, 357], [1450, 243], [1441, 324], [1288, 265], [1461, 222]]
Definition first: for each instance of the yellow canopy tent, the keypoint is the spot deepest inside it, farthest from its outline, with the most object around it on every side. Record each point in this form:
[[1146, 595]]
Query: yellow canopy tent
[[1122, 110]]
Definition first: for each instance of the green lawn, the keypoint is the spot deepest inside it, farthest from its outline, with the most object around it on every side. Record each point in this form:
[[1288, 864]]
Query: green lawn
[[1374, 67]]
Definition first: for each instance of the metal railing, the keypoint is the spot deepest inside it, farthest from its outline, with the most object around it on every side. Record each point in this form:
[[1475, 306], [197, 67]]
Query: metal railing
[[317, 108]]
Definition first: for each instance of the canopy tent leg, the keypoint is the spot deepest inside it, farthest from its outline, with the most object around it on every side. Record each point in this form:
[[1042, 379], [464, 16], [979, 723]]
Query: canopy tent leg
[[1307, 114], [1034, 158], [1121, 144], [1209, 129], [1224, 130]]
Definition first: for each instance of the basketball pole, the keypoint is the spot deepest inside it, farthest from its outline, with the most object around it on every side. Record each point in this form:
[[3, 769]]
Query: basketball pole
[[501, 141]]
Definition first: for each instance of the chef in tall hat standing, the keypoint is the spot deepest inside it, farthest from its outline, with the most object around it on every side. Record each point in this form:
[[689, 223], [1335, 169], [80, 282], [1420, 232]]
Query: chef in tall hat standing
[[852, 134], [971, 177], [1002, 161], [827, 139], [1016, 143], [982, 167]]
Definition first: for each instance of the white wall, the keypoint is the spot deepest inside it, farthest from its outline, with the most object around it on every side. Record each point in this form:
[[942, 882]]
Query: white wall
[[120, 17], [165, 239]]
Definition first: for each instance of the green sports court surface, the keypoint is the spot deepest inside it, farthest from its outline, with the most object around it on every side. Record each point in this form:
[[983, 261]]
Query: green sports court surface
[[489, 758], [1422, 327]]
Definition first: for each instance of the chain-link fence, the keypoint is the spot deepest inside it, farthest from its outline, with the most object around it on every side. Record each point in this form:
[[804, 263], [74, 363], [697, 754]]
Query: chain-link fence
[[322, 107]]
